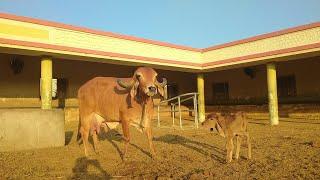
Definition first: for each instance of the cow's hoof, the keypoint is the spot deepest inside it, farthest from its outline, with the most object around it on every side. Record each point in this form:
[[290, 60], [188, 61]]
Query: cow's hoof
[[98, 151], [124, 157], [228, 160], [154, 157]]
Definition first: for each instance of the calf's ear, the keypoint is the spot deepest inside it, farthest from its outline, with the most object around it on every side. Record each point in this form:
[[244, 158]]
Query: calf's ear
[[220, 130], [214, 116]]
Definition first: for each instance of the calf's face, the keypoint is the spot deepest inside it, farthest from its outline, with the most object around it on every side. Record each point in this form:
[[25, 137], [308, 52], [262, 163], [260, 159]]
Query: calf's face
[[210, 123]]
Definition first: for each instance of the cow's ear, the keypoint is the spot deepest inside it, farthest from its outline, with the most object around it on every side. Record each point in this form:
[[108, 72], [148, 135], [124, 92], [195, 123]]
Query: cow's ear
[[161, 91], [161, 87], [134, 89]]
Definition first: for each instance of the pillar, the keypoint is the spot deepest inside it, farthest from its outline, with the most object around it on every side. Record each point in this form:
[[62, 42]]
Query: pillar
[[201, 102], [46, 82], [272, 93]]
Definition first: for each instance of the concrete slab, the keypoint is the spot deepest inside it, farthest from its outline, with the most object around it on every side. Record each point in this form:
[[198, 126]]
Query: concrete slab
[[22, 129]]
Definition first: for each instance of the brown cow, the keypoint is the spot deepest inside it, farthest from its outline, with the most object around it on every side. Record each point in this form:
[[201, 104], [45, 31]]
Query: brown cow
[[228, 126], [108, 101]]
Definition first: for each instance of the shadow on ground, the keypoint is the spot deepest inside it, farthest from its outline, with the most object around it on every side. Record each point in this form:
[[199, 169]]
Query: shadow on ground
[[80, 170], [199, 147], [114, 135], [68, 137]]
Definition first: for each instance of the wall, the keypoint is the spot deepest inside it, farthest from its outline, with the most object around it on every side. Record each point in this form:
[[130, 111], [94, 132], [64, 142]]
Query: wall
[[78, 73], [51, 36], [26, 84], [306, 73], [22, 90], [242, 86]]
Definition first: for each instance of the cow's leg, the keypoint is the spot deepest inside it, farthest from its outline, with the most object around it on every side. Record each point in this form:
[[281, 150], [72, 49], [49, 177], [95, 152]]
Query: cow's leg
[[148, 132], [249, 145], [238, 146], [229, 147], [97, 122], [85, 136], [126, 137], [95, 142]]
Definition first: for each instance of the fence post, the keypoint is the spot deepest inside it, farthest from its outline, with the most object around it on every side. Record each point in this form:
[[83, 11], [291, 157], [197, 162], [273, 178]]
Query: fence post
[[173, 113], [179, 106], [195, 109], [159, 115]]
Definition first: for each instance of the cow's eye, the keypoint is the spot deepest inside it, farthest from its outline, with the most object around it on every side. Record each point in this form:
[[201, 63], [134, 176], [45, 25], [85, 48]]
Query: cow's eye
[[138, 76]]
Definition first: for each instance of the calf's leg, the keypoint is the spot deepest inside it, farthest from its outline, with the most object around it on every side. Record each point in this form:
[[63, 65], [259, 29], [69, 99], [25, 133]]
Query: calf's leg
[[229, 147], [249, 145], [238, 138]]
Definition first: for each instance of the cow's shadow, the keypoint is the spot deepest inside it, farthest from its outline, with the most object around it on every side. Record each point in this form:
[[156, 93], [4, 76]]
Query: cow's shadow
[[68, 137], [199, 147], [113, 136], [80, 170]]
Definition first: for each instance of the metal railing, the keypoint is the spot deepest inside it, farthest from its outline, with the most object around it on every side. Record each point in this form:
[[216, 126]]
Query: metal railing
[[176, 102]]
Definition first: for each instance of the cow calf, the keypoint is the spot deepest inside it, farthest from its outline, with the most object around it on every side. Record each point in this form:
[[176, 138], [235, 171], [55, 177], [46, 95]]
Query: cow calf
[[229, 126]]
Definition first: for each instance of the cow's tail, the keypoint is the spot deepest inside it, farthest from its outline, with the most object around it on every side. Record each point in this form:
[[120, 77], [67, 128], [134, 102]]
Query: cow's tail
[[79, 134], [79, 124]]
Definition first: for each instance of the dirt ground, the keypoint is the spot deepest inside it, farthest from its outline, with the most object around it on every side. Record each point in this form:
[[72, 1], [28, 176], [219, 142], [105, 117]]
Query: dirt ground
[[288, 151]]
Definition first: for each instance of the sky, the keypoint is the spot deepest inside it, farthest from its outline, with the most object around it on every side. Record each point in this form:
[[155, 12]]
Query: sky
[[195, 23]]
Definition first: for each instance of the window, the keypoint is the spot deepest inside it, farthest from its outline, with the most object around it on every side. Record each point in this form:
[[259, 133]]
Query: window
[[286, 86], [220, 91]]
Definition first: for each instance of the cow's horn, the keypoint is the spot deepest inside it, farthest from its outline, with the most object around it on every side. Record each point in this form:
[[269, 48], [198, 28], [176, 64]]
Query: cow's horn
[[164, 82], [125, 84]]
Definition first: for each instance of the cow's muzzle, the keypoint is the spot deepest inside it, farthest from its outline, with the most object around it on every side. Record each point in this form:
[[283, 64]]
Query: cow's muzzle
[[151, 91]]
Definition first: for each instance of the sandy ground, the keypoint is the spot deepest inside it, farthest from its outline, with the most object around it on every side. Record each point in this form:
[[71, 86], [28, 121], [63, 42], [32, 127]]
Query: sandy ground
[[288, 151]]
